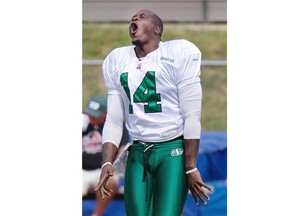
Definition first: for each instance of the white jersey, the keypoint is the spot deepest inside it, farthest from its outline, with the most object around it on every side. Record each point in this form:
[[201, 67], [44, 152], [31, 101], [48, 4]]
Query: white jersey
[[149, 87]]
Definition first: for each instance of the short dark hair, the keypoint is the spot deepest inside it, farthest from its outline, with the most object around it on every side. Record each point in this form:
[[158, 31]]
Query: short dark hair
[[158, 21]]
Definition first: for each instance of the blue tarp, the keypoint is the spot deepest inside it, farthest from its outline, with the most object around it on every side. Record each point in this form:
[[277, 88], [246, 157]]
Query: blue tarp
[[212, 157], [212, 164]]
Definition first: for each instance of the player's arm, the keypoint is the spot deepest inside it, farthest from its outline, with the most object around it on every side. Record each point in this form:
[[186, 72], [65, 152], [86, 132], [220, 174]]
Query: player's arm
[[111, 138], [190, 97]]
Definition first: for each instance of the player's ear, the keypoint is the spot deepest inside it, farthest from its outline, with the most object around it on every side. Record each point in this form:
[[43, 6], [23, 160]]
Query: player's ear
[[157, 30]]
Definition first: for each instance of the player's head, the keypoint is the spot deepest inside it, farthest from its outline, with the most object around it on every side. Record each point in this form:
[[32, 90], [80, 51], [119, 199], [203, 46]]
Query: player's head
[[144, 26]]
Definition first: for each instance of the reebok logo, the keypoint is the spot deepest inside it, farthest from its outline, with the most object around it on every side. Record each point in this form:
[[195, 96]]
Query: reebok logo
[[167, 59], [176, 152]]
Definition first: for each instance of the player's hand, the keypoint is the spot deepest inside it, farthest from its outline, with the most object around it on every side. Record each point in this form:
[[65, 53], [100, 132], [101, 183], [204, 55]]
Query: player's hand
[[197, 187], [102, 186]]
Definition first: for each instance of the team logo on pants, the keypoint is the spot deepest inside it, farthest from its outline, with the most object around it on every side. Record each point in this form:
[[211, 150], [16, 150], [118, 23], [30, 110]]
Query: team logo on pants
[[176, 152]]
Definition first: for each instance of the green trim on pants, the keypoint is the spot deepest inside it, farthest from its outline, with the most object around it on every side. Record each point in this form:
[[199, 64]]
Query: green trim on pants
[[164, 191]]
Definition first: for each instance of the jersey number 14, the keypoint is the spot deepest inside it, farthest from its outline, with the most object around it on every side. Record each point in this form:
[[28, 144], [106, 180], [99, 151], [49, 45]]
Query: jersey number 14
[[145, 93]]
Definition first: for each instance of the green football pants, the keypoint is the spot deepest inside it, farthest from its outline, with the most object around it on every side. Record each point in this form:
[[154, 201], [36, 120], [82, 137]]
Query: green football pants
[[155, 180]]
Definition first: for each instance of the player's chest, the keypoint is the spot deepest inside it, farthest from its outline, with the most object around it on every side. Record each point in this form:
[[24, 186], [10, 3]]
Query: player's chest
[[144, 73]]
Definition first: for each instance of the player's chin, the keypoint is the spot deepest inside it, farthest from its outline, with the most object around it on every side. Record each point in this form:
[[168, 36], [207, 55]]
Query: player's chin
[[136, 41]]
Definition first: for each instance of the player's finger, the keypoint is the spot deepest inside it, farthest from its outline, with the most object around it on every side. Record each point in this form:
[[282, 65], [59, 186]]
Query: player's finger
[[107, 191], [195, 197], [202, 191], [97, 187], [198, 193], [102, 192], [206, 195], [102, 181], [207, 187], [100, 184], [195, 193], [202, 199]]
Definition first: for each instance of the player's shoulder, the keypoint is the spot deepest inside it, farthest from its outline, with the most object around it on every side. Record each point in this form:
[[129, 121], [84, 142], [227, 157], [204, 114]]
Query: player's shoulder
[[178, 50], [181, 46], [118, 55]]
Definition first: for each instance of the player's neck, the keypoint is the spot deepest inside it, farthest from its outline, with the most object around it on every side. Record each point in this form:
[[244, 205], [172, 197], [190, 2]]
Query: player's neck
[[143, 50]]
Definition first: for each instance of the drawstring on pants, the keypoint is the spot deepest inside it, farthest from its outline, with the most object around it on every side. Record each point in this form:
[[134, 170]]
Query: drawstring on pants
[[146, 154]]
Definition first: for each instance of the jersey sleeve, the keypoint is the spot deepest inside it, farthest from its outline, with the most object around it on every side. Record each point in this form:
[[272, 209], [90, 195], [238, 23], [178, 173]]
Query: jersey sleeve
[[188, 71], [109, 70]]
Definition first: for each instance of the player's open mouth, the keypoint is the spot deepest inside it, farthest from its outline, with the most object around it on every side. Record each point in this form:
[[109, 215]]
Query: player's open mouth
[[133, 28]]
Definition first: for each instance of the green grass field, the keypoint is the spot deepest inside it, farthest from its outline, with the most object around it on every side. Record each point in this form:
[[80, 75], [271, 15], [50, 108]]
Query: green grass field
[[100, 39]]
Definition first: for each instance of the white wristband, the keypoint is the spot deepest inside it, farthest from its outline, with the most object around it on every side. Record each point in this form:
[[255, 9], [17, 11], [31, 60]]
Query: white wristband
[[191, 171], [106, 163]]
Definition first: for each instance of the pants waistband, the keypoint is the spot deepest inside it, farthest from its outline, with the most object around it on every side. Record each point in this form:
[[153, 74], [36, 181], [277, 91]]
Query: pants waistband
[[149, 143]]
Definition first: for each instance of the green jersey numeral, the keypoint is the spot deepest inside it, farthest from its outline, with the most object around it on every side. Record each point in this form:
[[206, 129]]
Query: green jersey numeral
[[145, 93], [124, 83]]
